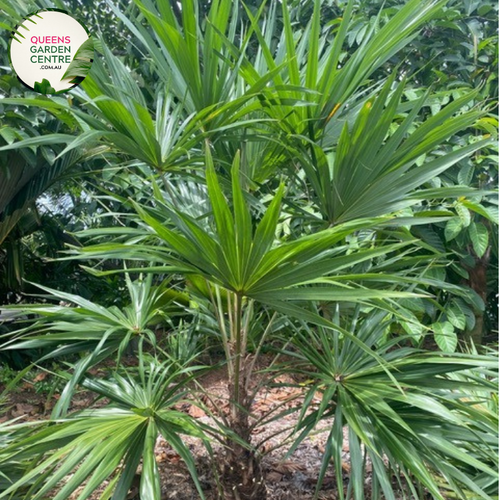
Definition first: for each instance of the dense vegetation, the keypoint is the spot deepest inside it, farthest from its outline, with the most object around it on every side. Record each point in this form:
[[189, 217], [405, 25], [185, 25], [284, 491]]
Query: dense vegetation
[[309, 180]]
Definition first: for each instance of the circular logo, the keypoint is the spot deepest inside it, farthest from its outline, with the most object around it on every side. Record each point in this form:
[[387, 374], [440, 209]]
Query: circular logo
[[50, 51]]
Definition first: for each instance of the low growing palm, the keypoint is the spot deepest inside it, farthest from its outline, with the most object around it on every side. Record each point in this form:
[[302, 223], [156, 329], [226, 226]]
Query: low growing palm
[[77, 326], [106, 444], [410, 420], [238, 255], [235, 122]]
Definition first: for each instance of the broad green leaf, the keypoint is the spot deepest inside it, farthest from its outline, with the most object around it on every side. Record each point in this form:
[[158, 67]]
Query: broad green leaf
[[453, 228], [82, 62], [44, 87], [478, 234], [463, 214], [445, 336], [456, 316], [465, 174]]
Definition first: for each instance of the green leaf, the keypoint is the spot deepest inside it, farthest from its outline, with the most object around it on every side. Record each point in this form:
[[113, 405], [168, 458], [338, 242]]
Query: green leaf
[[456, 316], [453, 228], [490, 213], [44, 87], [465, 174], [479, 236], [81, 63], [415, 329], [470, 317], [463, 214], [150, 479], [445, 336]]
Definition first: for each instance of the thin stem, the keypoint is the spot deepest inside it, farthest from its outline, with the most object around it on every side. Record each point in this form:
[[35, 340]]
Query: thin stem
[[238, 338], [269, 368], [259, 347], [219, 311], [246, 325], [169, 191], [268, 417], [283, 442], [200, 387]]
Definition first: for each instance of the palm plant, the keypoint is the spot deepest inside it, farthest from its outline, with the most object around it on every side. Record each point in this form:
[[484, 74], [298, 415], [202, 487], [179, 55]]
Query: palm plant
[[234, 121], [237, 255], [90, 328], [108, 443], [407, 418]]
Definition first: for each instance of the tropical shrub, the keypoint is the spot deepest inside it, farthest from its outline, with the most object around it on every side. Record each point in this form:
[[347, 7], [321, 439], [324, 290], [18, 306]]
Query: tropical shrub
[[108, 441], [267, 189]]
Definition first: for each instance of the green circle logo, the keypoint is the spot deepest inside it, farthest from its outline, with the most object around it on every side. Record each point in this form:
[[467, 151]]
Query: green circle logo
[[51, 52]]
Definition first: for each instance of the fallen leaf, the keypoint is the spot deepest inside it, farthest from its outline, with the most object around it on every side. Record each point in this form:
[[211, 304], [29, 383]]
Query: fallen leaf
[[196, 412], [77, 403], [288, 467], [21, 409], [274, 477], [40, 377]]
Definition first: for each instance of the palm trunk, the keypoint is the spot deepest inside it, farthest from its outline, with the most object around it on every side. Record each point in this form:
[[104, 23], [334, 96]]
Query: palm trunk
[[239, 464]]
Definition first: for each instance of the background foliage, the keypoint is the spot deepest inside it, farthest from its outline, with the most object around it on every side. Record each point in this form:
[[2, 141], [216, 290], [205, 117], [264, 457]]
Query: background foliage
[[312, 178]]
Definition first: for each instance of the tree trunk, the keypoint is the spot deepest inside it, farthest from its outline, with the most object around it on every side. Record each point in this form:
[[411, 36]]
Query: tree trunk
[[240, 466], [479, 283], [239, 463]]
